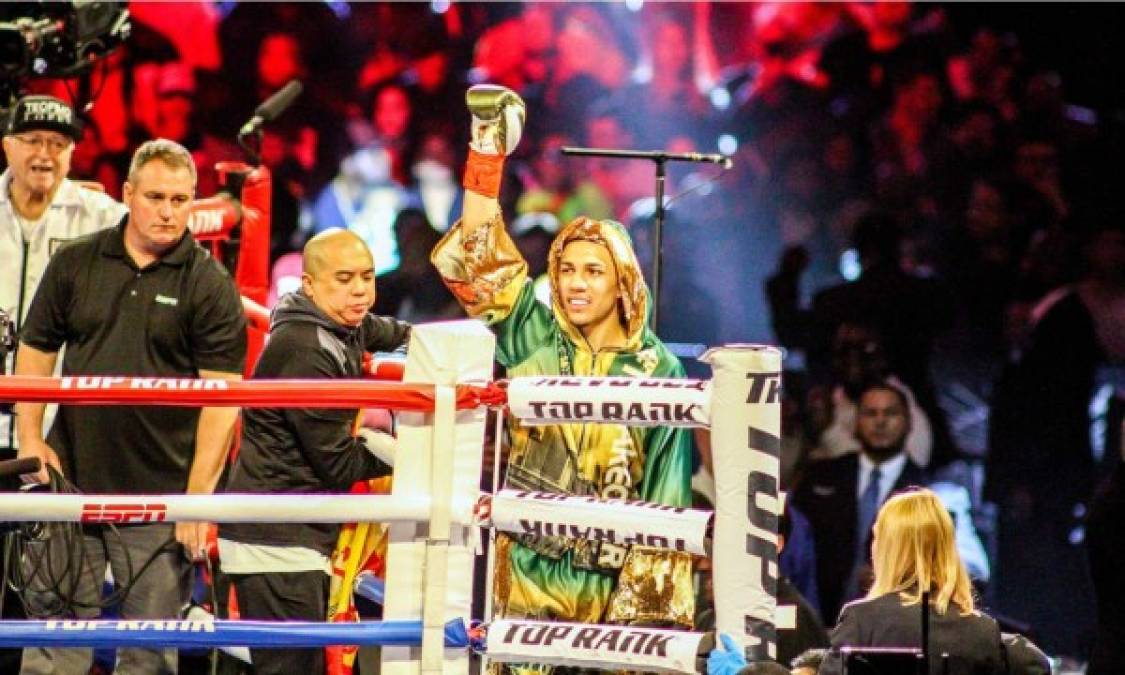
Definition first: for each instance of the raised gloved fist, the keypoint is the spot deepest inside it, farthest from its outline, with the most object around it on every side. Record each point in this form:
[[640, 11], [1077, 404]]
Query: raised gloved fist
[[498, 117]]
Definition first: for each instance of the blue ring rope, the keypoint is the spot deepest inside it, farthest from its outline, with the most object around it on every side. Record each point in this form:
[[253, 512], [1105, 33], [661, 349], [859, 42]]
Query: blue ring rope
[[191, 633], [370, 586]]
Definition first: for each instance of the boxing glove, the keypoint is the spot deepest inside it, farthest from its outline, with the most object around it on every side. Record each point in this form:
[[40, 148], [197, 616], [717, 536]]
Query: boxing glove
[[498, 117]]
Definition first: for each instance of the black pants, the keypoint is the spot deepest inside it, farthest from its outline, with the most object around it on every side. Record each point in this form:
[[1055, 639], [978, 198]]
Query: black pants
[[284, 596]]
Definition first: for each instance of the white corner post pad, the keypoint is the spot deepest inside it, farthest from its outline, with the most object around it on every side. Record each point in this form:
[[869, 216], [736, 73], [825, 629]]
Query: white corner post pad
[[381, 444], [444, 354], [746, 442]]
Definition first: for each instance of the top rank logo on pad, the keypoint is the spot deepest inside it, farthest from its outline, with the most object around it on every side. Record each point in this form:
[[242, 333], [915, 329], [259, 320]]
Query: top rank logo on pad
[[764, 387], [593, 646], [616, 400], [598, 638], [612, 411]]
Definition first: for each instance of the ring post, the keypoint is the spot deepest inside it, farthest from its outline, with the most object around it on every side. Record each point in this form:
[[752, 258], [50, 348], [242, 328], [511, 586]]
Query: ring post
[[437, 544], [443, 354], [746, 435]]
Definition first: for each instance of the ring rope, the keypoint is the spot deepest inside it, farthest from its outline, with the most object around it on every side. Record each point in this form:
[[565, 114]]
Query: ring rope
[[187, 392], [224, 508], [653, 399], [369, 586], [621, 523], [220, 632]]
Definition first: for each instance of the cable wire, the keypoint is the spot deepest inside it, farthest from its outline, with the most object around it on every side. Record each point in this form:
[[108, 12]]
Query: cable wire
[[710, 180], [44, 563]]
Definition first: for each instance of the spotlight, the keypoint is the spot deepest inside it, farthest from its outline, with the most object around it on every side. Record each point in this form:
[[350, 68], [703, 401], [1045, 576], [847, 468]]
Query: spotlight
[[476, 75], [850, 268], [440, 6], [634, 5], [720, 98], [728, 144]]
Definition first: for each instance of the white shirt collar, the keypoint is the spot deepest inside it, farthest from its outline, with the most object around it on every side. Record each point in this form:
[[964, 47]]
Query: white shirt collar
[[889, 471]]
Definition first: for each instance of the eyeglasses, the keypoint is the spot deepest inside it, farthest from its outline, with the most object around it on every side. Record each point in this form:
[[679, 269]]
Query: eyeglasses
[[54, 145]]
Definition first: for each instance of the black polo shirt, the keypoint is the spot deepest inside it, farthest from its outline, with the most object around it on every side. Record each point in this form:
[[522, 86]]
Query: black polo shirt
[[173, 318]]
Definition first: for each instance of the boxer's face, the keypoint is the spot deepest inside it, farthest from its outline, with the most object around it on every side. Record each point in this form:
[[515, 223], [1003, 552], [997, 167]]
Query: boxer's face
[[588, 285], [39, 159], [343, 284], [159, 199]]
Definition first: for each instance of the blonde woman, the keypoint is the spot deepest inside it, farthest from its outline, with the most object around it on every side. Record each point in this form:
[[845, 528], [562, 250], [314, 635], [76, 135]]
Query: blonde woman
[[913, 551]]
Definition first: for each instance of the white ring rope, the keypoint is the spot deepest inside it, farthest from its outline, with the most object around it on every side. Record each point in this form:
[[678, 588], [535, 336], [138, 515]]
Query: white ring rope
[[622, 523], [222, 508]]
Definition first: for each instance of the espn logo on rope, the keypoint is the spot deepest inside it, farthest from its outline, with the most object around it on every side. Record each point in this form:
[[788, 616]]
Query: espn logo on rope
[[123, 513]]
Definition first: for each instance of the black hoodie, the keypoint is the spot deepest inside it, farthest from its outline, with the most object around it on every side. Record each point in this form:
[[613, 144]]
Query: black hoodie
[[307, 450]]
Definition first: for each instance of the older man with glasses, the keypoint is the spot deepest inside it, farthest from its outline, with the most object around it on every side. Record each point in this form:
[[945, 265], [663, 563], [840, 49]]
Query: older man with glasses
[[40, 209]]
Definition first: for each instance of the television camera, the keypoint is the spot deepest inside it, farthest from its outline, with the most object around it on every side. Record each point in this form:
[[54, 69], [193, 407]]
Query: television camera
[[55, 40]]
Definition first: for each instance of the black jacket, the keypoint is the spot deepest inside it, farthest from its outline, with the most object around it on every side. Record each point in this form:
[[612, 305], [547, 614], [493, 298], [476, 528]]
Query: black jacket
[[827, 497], [307, 450], [972, 642], [1106, 554], [809, 633]]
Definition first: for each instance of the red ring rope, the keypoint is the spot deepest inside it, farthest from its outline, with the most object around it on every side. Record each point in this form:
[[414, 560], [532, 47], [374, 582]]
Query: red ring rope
[[107, 390]]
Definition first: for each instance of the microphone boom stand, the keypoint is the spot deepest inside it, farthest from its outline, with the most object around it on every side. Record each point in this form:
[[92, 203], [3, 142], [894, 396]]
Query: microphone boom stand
[[660, 158]]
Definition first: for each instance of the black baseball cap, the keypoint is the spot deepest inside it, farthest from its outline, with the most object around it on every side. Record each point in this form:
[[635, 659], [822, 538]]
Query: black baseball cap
[[43, 112]]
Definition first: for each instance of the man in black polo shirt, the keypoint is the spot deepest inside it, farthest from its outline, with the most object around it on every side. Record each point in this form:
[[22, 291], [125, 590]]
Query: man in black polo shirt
[[142, 299]]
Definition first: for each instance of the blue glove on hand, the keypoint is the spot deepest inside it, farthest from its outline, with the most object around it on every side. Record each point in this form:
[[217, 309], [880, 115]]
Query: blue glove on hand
[[725, 660]]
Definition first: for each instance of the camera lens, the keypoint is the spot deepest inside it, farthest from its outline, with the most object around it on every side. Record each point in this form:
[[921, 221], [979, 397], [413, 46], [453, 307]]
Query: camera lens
[[13, 50]]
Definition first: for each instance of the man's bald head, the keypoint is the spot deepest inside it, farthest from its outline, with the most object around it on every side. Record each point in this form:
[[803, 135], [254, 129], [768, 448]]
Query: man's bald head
[[324, 246], [339, 276]]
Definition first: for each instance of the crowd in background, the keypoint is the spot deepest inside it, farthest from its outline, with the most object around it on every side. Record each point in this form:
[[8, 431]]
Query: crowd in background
[[910, 197]]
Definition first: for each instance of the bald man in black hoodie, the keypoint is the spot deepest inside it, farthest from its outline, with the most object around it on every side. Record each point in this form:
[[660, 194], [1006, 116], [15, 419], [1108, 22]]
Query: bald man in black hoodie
[[280, 570]]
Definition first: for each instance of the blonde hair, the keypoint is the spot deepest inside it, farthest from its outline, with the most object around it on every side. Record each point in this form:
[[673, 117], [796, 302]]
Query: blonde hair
[[915, 551]]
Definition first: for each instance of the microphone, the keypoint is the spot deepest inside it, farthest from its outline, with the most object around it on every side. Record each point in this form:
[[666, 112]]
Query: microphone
[[272, 108], [12, 469], [713, 158], [19, 466], [657, 155]]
